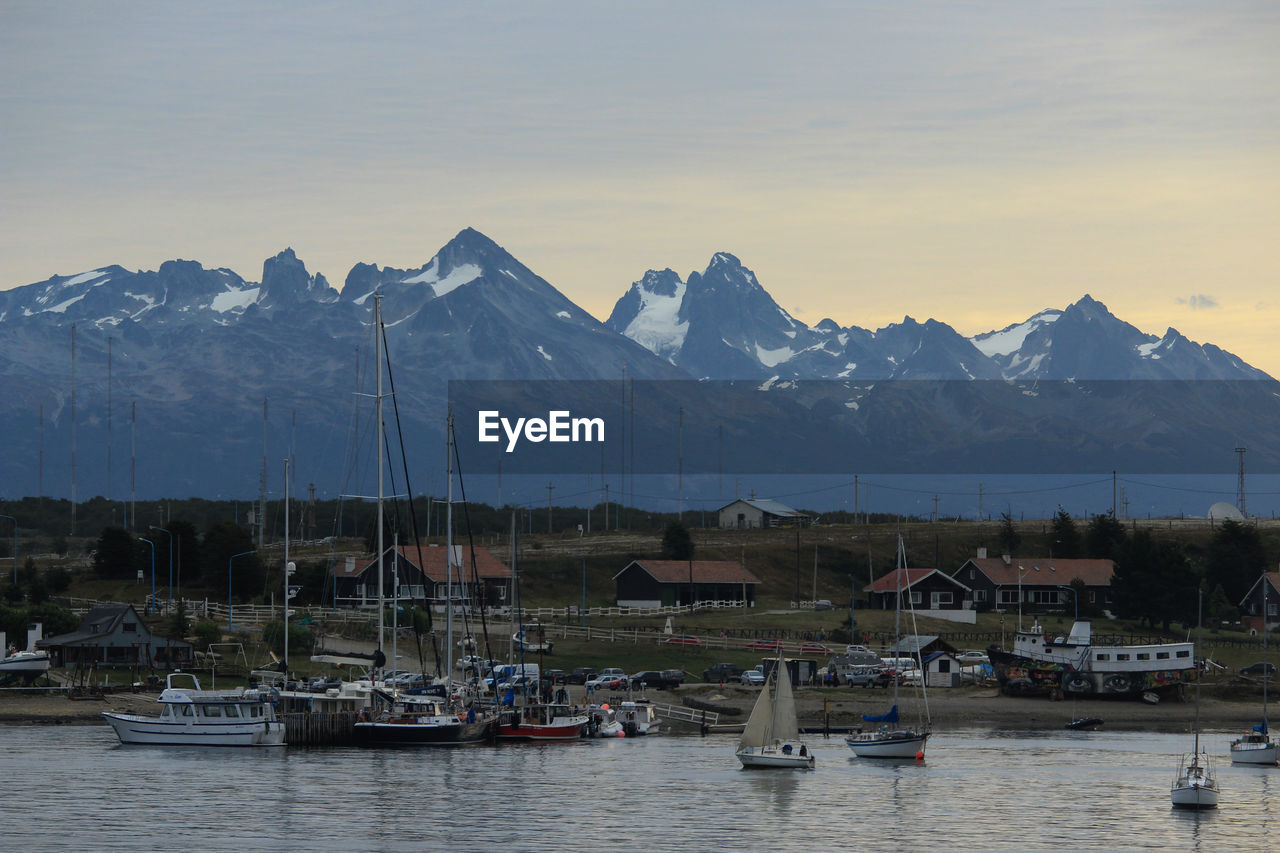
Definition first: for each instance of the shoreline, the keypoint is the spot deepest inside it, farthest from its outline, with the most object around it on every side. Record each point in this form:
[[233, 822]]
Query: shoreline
[[953, 708]]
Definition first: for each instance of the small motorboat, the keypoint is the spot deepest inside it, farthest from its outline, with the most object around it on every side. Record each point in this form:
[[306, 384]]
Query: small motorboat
[[1084, 724]]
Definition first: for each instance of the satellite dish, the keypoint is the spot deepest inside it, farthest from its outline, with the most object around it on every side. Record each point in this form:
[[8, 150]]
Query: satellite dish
[[1223, 510]]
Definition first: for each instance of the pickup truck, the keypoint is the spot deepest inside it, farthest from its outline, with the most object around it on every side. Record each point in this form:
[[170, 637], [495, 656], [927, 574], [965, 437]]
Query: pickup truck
[[721, 672]]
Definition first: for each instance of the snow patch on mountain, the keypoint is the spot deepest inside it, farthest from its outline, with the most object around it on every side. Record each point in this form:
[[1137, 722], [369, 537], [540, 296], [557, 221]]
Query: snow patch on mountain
[[657, 326], [773, 357], [464, 274], [86, 276], [234, 298], [1010, 339]]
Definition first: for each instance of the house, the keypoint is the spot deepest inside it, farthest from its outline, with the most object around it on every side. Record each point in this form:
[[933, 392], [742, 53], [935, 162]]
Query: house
[[1267, 587], [751, 514], [655, 583], [422, 574], [930, 589], [1007, 582], [114, 635]]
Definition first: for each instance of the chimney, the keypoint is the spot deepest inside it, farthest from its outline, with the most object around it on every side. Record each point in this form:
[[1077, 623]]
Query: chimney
[[1008, 561], [982, 553]]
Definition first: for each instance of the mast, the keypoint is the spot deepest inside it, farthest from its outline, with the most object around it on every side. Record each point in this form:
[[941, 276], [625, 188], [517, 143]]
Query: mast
[[1200, 668], [448, 558], [288, 570], [377, 349]]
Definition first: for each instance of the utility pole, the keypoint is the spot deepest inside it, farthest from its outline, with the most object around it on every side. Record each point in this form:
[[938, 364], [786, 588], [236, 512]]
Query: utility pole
[[550, 489], [979, 502], [1240, 486]]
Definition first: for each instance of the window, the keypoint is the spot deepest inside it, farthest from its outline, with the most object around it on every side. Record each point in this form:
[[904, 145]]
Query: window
[[211, 710], [973, 573], [944, 665], [1122, 656], [233, 710], [916, 598], [129, 627], [1008, 596], [1184, 654], [1102, 656], [186, 711], [979, 595], [1144, 656], [1162, 655]]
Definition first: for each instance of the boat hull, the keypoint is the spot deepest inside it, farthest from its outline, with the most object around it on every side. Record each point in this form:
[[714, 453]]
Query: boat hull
[[1023, 676], [135, 729], [25, 665], [1251, 753], [537, 732], [888, 744], [1194, 797], [422, 734], [776, 757]]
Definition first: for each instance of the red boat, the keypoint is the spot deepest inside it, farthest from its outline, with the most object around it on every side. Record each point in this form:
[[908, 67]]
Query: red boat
[[541, 722]]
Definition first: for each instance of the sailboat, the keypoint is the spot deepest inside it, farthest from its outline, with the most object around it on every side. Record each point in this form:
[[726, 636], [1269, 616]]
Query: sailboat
[[1195, 786], [892, 740], [1256, 746], [417, 720], [771, 737]]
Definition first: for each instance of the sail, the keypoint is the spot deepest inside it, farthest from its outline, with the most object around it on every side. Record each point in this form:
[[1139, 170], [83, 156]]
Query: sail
[[758, 732], [785, 726], [891, 717]]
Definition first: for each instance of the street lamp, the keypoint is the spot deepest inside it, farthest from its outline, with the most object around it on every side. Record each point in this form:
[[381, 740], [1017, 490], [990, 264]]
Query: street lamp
[[153, 571], [15, 546], [229, 559], [162, 530]]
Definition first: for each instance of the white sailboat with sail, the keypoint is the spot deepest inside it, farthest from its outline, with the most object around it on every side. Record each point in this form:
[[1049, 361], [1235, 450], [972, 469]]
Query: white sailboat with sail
[[771, 737], [1256, 745], [1195, 786], [890, 739]]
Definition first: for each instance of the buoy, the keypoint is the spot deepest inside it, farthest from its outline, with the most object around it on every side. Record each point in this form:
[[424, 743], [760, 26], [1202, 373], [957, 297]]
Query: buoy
[[920, 755], [604, 707], [621, 733]]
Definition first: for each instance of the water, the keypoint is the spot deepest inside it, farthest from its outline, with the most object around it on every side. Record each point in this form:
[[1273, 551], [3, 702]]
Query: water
[[75, 787]]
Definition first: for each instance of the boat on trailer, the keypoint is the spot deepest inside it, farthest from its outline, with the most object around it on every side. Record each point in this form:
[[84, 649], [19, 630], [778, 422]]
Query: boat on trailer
[[190, 716]]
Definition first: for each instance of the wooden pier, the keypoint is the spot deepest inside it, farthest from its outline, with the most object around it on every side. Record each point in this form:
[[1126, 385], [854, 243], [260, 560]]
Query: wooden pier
[[319, 728]]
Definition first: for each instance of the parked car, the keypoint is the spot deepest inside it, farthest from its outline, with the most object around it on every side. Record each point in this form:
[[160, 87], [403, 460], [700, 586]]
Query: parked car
[[1259, 668], [752, 677], [868, 676], [682, 640], [814, 649], [765, 645], [972, 657], [673, 677], [580, 675], [721, 672], [646, 678], [391, 675], [607, 682], [554, 676], [410, 681], [823, 604]]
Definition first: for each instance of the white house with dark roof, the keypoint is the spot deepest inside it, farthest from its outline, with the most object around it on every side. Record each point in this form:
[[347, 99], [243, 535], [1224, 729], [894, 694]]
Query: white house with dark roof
[[758, 512]]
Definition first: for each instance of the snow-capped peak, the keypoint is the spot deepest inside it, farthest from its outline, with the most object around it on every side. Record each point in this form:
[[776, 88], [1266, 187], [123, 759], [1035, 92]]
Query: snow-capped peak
[[1010, 339]]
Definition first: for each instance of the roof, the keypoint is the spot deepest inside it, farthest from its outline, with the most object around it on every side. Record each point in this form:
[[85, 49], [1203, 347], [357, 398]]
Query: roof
[[1042, 570], [97, 623], [432, 561], [769, 506], [910, 577], [1273, 579], [703, 571], [912, 643]]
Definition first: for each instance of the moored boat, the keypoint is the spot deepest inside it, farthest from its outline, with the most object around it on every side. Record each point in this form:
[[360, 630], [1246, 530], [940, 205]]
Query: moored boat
[[771, 737], [1195, 786], [26, 665], [541, 722], [1256, 746], [420, 721], [637, 717], [190, 716]]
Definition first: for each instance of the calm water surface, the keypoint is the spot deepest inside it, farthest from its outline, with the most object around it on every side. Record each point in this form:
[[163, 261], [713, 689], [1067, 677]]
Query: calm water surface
[[76, 788]]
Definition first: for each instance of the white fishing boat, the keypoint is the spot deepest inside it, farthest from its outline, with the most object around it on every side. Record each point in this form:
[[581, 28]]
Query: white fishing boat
[[891, 739], [637, 717], [190, 716], [26, 665], [1195, 786], [1256, 745], [771, 737]]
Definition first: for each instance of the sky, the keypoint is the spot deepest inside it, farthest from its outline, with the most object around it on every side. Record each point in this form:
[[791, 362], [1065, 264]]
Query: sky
[[970, 162]]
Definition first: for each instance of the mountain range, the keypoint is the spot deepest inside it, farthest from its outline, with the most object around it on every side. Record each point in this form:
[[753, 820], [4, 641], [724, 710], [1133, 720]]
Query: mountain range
[[186, 368]]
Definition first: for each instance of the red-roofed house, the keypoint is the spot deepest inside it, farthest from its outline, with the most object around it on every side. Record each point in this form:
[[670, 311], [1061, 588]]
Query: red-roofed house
[[422, 574], [997, 582], [1251, 607], [655, 583], [930, 589]]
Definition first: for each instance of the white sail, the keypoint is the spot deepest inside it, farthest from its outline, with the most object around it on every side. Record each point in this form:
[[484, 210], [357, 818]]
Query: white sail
[[785, 726], [759, 728]]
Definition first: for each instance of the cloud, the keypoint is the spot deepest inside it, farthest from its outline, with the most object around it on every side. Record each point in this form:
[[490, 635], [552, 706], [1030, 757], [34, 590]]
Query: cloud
[[1198, 302]]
